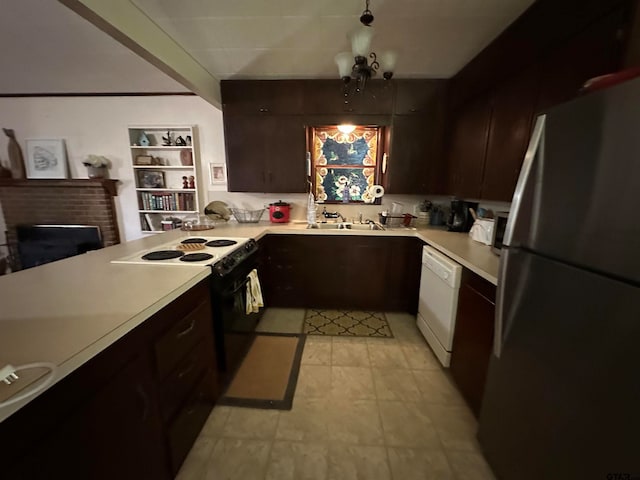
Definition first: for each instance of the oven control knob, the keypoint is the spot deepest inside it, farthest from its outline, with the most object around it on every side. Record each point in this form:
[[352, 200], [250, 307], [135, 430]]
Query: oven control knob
[[228, 262]]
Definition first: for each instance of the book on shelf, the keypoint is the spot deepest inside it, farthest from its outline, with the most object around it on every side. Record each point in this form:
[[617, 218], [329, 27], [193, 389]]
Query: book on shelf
[[168, 201]]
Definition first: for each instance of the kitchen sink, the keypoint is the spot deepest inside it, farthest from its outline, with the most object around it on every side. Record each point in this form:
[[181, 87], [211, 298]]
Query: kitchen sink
[[349, 226]]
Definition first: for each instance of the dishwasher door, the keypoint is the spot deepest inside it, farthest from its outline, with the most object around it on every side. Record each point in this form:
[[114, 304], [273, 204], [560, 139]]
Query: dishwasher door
[[438, 302]]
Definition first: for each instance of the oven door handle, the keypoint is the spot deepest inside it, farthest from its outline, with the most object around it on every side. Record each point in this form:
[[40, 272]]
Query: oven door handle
[[228, 294]]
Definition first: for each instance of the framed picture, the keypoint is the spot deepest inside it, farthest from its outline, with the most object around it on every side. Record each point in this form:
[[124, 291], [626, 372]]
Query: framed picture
[[154, 222], [144, 160], [46, 159], [218, 174], [150, 179]]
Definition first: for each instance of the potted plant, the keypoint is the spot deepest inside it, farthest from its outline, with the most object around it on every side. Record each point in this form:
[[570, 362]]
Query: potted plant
[[97, 166]]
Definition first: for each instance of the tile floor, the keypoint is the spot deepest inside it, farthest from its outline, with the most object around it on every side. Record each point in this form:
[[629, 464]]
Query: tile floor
[[364, 408]]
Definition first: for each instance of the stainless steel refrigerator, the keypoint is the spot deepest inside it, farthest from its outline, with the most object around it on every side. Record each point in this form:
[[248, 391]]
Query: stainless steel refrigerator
[[562, 399]]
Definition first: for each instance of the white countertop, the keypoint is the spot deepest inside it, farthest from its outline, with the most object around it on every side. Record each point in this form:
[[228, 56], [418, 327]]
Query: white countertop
[[68, 311]]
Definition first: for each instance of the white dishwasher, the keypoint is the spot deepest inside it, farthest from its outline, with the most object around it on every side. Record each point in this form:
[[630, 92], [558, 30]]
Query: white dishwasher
[[438, 301]]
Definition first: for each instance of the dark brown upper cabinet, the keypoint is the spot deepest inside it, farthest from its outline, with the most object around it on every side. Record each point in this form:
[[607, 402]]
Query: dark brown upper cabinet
[[265, 153], [323, 97], [509, 85], [595, 51], [264, 125], [418, 96], [510, 129], [274, 97], [468, 148], [416, 137]]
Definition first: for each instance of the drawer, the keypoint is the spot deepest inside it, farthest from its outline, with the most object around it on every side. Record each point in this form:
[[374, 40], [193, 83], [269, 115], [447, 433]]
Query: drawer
[[183, 379], [186, 427], [176, 342]]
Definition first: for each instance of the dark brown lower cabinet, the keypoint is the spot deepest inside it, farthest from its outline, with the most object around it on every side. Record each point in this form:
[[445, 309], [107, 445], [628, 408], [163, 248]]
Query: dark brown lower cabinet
[[473, 337], [131, 412], [346, 272]]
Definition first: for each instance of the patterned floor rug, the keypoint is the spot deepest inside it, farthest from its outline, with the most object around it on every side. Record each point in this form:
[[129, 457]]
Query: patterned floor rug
[[352, 323]]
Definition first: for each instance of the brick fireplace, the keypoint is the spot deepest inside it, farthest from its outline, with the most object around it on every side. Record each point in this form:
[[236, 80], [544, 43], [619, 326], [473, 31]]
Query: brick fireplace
[[60, 202]]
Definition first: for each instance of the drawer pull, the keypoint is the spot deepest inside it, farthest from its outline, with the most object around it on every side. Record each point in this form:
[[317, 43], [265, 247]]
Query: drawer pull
[[187, 330], [186, 370], [145, 402]]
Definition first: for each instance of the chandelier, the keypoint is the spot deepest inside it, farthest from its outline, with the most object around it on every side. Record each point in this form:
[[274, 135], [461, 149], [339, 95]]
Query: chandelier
[[355, 64]]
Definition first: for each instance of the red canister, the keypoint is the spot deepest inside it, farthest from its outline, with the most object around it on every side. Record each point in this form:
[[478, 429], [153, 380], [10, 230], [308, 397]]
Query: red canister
[[279, 212]]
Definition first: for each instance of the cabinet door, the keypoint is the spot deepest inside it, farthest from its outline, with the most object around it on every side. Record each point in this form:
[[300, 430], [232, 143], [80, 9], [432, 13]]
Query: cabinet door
[[286, 165], [473, 339], [511, 122], [245, 141], [326, 97], [596, 51], [240, 97], [284, 266], [417, 97], [265, 153], [407, 168], [364, 284], [123, 425], [402, 281], [468, 148]]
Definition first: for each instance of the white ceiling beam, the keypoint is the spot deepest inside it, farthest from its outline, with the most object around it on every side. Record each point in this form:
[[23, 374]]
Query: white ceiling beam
[[126, 23]]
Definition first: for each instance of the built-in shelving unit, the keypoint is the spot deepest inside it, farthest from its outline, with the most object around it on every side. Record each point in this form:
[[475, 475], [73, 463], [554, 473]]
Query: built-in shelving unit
[[166, 175]]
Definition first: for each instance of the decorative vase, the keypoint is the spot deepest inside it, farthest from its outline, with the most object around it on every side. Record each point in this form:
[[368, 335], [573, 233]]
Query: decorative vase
[[186, 158], [16, 161], [97, 172]]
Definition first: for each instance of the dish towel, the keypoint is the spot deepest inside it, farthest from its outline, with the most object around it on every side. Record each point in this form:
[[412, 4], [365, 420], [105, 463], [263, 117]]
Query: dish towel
[[254, 293]]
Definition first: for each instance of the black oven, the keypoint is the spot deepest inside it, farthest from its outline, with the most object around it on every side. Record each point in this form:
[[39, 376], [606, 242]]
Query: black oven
[[234, 329]]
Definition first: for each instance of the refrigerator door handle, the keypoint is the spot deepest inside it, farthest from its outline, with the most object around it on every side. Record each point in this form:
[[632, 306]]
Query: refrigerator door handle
[[534, 150], [499, 318], [513, 274]]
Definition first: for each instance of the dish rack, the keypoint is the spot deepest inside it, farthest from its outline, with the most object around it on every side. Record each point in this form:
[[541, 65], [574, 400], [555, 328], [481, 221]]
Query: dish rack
[[397, 221], [247, 216]]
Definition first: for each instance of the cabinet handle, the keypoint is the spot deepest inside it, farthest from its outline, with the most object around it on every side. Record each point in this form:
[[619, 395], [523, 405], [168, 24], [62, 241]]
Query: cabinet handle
[[187, 330], [145, 402], [186, 370]]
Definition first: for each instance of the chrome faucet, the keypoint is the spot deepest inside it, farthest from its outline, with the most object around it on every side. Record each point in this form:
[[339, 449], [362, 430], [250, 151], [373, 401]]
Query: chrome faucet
[[326, 214]]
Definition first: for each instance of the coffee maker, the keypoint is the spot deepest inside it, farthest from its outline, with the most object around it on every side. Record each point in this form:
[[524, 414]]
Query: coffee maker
[[460, 219]]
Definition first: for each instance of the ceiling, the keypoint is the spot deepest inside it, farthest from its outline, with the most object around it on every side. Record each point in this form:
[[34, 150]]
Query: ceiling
[[47, 48]]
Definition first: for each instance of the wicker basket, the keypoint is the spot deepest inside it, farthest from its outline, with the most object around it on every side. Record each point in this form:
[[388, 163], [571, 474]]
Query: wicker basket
[[247, 216]]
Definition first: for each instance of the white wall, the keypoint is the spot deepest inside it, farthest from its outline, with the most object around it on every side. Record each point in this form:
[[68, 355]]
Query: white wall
[[98, 125]]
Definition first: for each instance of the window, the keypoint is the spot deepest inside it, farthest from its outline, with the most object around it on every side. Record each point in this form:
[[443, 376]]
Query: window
[[344, 164]]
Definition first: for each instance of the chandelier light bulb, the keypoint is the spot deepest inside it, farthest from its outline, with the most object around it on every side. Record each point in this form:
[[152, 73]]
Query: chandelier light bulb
[[361, 41], [345, 128], [344, 60], [362, 64]]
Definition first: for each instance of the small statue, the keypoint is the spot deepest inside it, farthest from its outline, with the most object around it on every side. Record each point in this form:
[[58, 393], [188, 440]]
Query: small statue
[[188, 140], [181, 142], [192, 182], [185, 182], [167, 140]]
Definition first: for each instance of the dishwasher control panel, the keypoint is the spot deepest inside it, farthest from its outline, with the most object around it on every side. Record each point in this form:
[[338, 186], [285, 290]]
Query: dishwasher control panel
[[448, 271]]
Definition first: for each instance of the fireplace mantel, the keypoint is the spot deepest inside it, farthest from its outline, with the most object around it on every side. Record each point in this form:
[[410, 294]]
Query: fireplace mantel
[[108, 184]]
